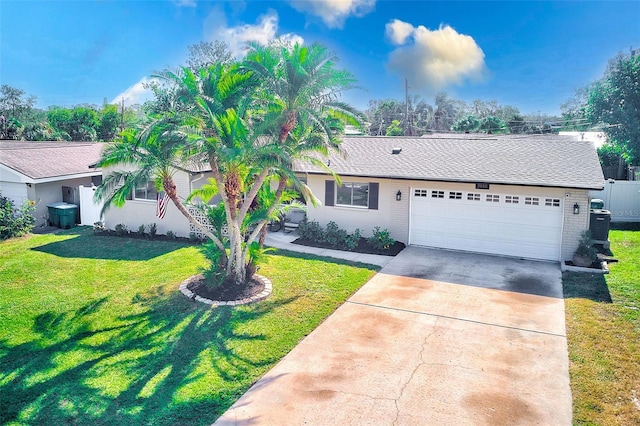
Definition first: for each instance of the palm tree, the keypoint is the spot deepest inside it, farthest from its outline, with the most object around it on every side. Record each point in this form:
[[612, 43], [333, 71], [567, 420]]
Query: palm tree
[[223, 131], [250, 122], [153, 154], [300, 87]]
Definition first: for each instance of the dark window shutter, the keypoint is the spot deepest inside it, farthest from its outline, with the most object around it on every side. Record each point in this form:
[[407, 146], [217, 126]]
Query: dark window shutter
[[329, 192], [373, 195]]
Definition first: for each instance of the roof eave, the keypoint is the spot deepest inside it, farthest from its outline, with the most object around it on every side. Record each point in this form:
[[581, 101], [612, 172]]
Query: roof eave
[[592, 187]]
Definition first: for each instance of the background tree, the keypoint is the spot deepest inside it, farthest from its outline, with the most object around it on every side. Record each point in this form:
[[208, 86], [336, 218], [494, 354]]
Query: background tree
[[110, 120], [445, 113], [614, 102], [394, 129], [492, 124], [80, 123], [574, 111], [516, 124], [381, 113], [15, 111], [207, 53], [468, 123]]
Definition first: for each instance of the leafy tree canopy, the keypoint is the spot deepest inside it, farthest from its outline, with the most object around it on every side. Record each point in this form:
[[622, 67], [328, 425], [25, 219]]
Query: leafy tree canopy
[[492, 124], [614, 102], [394, 129], [468, 123]]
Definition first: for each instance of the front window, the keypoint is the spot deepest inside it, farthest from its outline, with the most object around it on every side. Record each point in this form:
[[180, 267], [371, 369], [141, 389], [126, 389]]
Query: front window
[[146, 193], [353, 194]]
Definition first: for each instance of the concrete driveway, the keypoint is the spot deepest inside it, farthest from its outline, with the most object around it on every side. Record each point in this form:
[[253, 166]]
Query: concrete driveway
[[435, 338]]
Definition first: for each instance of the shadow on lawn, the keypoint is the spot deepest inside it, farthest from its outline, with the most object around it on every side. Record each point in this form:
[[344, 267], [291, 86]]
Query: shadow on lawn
[[85, 244], [135, 371], [309, 256], [585, 286]]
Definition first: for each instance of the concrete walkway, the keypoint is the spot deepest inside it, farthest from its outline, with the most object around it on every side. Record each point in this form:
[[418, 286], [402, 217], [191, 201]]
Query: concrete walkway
[[435, 338]]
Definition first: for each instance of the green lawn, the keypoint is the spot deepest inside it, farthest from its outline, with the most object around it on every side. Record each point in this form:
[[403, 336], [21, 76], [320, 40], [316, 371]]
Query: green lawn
[[93, 330], [603, 330]]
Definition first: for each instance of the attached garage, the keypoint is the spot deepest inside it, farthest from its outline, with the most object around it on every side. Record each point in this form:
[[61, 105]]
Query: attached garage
[[511, 224]]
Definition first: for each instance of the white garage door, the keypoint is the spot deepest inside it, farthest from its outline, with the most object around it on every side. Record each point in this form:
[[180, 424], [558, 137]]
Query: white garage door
[[488, 222]]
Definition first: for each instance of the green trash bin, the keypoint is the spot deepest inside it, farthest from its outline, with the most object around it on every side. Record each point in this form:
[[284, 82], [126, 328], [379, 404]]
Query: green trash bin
[[68, 215], [54, 213]]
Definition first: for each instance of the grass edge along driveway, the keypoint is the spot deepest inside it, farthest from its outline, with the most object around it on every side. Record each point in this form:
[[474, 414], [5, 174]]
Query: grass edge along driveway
[[603, 333], [94, 331]]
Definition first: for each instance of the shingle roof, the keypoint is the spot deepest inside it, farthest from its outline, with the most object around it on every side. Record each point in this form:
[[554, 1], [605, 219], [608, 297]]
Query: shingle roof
[[39, 160], [532, 160]]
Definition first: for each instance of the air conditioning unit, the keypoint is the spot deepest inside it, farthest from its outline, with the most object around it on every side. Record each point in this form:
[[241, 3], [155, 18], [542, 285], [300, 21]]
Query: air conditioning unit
[[599, 224]]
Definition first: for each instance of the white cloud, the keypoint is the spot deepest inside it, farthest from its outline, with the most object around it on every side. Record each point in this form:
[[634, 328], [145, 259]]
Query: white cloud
[[136, 94], [334, 12], [433, 60], [398, 31], [263, 31]]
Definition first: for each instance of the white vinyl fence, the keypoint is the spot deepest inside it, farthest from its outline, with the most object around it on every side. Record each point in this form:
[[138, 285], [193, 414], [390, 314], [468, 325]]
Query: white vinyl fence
[[89, 211], [622, 199]]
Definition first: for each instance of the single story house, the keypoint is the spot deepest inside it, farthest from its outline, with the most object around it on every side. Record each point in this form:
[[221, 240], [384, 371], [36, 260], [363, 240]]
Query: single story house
[[514, 195], [47, 172]]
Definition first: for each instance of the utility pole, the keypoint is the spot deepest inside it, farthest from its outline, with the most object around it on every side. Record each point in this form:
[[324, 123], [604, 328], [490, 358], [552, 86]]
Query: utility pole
[[406, 107]]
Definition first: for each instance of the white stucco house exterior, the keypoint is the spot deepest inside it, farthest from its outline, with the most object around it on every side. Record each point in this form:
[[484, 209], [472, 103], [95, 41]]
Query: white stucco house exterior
[[514, 195], [38, 171], [141, 208]]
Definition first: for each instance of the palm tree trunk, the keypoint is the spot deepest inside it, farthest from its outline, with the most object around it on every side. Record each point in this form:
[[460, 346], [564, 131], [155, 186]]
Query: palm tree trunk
[[288, 125], [236, 264], [282, 184], [171, 190]]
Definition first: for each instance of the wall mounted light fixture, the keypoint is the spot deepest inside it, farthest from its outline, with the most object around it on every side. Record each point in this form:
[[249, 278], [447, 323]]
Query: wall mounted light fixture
[[576, 208], [398, 195]]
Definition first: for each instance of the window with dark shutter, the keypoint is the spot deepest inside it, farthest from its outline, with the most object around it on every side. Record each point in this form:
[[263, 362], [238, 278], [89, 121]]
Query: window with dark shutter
[[373, 195], [329, 192]]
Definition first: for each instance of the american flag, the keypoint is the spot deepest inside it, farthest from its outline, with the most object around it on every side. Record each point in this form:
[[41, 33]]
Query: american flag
[[161, 205]]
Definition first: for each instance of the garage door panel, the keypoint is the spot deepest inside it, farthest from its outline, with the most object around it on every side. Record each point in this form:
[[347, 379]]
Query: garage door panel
[[532, 231]]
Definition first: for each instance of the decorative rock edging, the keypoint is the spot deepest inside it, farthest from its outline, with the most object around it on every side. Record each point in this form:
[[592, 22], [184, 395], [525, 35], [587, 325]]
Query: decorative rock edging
[[253, 299], [604, 268]]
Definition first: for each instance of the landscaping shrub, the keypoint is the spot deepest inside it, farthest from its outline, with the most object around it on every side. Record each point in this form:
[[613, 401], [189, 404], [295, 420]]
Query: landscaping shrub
[[153, 230], [257, 255], [15, 222], [332, 235], [98, 227], [214, 272], [121, 229], [353, 240], [171, 235], [141, 230], [586, 247], [311, 231], [381, 239]]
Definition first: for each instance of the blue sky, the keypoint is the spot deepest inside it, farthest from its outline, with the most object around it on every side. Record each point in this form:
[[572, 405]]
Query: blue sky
[[531, 55]]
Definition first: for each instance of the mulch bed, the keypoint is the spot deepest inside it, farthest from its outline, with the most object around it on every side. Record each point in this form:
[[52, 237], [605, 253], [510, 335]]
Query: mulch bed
[[225, 293], [362, 247]]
